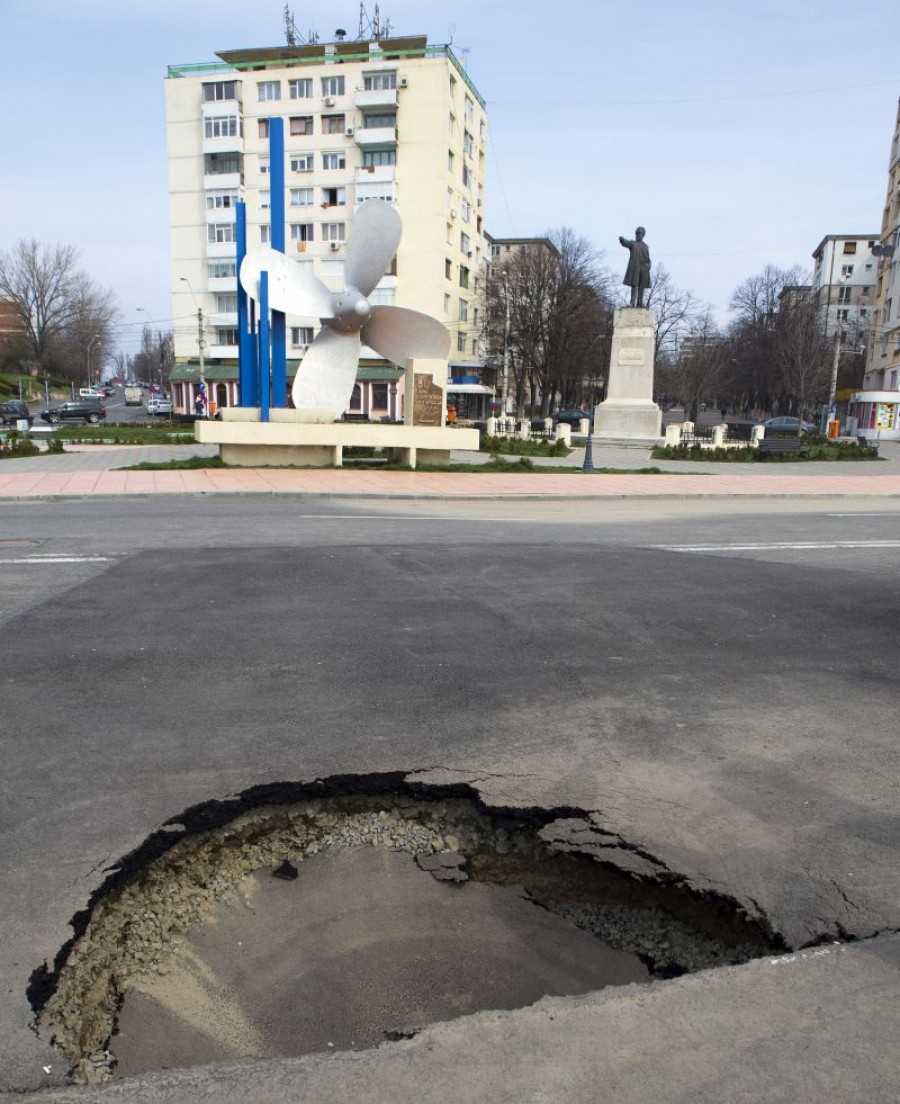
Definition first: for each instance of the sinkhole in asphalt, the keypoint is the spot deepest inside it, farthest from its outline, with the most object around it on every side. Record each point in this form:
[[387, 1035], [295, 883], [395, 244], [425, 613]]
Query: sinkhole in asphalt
[[310, 918]]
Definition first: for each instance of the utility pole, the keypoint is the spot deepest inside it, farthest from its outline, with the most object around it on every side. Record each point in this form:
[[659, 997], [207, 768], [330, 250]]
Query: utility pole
[[504, 383], [201, 342], [832, 387]]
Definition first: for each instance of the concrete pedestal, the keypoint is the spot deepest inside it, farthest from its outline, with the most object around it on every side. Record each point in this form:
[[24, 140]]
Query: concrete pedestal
[[629, 413]]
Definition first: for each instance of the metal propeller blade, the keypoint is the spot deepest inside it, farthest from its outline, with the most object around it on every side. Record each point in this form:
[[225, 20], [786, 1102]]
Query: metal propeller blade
[[327, 373], [398, 334], [292, 287], [374, 236]]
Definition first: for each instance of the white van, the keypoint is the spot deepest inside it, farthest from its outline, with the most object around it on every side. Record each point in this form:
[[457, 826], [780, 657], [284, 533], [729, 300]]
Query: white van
[[134, 396], [90, 393]]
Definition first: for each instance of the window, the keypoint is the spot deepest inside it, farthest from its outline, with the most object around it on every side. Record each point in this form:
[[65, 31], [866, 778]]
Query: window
[[301, 197], [463, 310], [374, 81], [844, 294], [300, 124], [227, 335], [474, 346], [218, 232], [448, 269], [219, 90], [220, 126], [333, 269], [222, 270], [464, 243], [843, 315], [300, 89], [301, 335], [379, 396], [265, 234], [850, 247], [467, 177], [450, 160], [382, 297], [265, 200], [302, 162], [333, 124], [263, 127], [469, 109], [373, 122], [446, 304], [334, 197], [866, 290], [465, 210], [332, 231], [301, 231], [846, 271], [356, 398], [226, 303], [264, 166], [216, 201], [269, 90], [468, 144], [463, 276], [216, 163], [460, 342], [334, 160], [374, 157], [332, 86]]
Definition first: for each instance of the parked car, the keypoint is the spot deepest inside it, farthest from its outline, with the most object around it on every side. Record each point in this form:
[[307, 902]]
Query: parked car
[[90, 393], [108, 390], [571, 417], [14, 411], [79, 410], [157, 406], [788, 425]]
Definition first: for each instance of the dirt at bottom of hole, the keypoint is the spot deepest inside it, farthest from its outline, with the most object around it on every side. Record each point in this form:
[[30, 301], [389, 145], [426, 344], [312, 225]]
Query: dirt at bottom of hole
[[361, 947]]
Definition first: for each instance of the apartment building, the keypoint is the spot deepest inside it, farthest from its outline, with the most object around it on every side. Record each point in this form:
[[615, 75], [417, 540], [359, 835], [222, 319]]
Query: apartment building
[[883, 364], [392, 119], [843, 283]]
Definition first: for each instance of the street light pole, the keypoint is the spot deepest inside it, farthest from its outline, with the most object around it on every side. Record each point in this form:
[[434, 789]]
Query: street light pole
[[96, 337], [201, 341]]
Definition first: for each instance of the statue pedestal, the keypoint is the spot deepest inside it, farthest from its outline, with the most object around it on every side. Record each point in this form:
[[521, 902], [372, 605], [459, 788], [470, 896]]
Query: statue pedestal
[[629, 414]]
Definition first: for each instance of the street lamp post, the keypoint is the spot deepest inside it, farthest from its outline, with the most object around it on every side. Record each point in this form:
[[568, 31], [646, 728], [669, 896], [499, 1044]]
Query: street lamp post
[[96, 337], [201, 341], [591, 384]]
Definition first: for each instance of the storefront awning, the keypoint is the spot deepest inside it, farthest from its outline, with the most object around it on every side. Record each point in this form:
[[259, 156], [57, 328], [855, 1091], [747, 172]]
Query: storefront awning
[[469, 389]]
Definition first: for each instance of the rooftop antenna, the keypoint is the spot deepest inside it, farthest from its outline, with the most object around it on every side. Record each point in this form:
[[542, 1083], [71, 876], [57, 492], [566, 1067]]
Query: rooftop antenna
[[293, 36], [372, 29]]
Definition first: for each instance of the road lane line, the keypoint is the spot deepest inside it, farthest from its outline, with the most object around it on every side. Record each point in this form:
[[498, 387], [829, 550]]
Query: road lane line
[[40, 561], [777, 546]]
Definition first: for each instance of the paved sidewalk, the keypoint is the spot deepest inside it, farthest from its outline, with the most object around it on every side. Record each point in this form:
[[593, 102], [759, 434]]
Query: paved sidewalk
[[97, 470]]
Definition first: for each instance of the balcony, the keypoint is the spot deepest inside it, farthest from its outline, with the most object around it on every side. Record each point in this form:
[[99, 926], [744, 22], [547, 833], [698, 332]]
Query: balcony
[[376, 174], [222, 352], [233, 143], [375, 136], [221, 283], [223, 181], [223, 318], [375, 97]]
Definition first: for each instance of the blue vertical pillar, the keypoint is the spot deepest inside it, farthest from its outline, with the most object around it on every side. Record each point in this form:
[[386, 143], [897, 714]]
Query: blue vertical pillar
[[264, 347], [276, 212], [246, 370]]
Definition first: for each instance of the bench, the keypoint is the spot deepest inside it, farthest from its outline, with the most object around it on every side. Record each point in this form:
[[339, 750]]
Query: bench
[[782, 446]]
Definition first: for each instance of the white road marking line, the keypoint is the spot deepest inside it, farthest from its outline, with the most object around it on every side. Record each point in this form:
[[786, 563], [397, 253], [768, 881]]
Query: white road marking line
[[40, 561], [776, 546]]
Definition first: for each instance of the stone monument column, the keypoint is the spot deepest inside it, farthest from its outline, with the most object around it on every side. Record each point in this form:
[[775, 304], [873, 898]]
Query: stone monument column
[[629, 412]]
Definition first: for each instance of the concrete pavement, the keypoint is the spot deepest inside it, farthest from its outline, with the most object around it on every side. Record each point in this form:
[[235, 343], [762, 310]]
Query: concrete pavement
[[98, 470]]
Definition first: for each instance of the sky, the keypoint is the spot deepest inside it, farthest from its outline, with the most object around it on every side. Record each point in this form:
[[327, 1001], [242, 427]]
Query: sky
[[739, 135]]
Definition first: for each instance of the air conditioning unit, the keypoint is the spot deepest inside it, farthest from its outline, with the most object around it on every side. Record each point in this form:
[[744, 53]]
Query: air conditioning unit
[[349, 132], [403, 82], [335, 246], [453, 212], [329, 101]]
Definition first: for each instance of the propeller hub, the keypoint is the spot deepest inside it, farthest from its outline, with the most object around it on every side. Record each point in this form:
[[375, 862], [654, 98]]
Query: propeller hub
[[351, 311]]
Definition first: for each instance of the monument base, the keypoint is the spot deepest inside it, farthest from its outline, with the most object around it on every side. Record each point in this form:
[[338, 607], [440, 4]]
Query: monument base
[[289, 440], [628, 421]]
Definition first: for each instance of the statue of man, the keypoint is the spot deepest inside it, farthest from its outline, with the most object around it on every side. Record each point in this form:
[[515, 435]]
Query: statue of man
[[637, 275]]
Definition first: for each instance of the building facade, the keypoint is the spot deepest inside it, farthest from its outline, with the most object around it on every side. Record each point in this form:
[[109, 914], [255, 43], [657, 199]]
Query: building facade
[[883, 365], [393, 119], [843, 283]]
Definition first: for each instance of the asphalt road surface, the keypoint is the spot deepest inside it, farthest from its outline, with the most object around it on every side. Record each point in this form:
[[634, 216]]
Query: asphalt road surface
[[716, 681]]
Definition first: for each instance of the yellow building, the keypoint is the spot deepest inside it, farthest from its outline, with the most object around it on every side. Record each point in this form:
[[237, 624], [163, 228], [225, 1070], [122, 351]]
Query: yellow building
[[393, 119]]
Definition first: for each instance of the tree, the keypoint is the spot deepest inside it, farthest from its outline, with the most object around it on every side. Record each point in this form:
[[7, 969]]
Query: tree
[[754, 377], [700, 363], [156, 357], [802, 353], [555, 293], [59, 308], [675, 311]]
